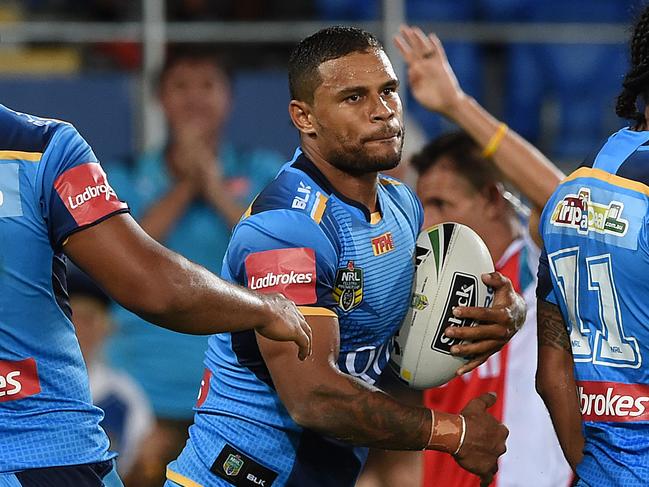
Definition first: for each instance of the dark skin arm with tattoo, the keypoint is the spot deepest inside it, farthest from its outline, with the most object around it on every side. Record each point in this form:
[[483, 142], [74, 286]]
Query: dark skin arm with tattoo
[[555, 381], [320, 397]]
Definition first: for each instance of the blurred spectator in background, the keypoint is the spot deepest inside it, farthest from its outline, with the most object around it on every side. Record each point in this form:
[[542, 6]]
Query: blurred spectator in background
[[187, 195], [461, 179], [128, 417]]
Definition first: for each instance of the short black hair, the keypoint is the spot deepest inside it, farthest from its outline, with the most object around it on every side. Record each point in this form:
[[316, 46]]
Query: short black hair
[[636, 81], [181, 53], [463, 153], [325, 45]]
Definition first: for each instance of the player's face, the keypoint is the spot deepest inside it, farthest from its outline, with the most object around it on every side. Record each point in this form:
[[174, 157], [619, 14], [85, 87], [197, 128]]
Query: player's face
[[195, 93], [358, 118], [448, 197]]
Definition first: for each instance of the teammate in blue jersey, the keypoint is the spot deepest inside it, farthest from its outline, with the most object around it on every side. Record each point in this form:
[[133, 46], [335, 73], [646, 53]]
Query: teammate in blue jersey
[[592, 309], [55, 200], [338, 238]]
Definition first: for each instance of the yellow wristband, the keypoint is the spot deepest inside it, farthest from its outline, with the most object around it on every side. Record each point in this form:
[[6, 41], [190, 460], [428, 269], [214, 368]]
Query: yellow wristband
[[493, 144]]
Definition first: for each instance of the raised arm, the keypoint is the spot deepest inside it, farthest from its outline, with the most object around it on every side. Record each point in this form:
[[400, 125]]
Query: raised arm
[[435, 86], [320, 397], [167, 289], [555, 381]]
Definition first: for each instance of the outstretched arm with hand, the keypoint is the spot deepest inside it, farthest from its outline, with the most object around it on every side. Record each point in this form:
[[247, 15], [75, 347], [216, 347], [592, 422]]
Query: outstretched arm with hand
[[434, 85], [167, 289]]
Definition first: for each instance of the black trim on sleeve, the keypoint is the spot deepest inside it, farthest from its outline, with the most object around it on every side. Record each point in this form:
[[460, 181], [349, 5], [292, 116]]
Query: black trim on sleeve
[[59, 245]]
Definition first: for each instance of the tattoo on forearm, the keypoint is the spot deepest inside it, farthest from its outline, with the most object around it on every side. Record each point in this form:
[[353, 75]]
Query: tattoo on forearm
[[551, 327], [372, 418]]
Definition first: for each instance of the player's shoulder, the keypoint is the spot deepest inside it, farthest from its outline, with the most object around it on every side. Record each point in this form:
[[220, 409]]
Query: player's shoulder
[[25, 133], [400, 192], [624, 154], [298, 192], [404, 199], [294, 208]]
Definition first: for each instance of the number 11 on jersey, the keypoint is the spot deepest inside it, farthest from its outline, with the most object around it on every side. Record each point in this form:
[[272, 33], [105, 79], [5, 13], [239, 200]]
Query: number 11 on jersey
[[609, 346]]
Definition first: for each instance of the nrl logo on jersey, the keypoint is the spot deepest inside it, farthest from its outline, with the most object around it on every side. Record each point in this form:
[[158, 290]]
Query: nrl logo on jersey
[[577, 211], [348, 287], [232, 465]]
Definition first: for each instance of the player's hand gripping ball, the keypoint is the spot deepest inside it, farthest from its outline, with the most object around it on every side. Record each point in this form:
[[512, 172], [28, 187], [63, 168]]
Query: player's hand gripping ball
[[450, 260]]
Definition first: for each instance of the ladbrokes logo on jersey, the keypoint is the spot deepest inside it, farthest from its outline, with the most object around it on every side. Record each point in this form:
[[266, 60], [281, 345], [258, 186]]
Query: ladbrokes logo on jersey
[[611, 401], [288, 271], [86, 194], [577, 211], [18, 379]]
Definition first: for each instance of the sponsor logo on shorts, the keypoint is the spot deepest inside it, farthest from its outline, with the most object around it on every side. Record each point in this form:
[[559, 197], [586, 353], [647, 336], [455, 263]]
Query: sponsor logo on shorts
[[578, 212], [383, 244], [232, 465], [348, 287], [18, 379], [613, 402], [291, 272], [86, 194], [241, 470], [463, 293]]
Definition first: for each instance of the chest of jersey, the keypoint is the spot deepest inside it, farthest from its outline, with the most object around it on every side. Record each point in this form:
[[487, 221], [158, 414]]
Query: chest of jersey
[[372, 286]]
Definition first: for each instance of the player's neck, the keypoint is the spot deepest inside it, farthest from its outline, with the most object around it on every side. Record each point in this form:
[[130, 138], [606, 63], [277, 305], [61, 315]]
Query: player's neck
[[360, 188]]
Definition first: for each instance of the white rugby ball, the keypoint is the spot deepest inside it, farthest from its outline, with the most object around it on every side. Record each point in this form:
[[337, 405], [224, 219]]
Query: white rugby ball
[[450, 259]]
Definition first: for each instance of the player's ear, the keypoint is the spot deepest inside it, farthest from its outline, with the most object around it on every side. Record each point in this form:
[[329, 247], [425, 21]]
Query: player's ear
[[301, 116], [496, 202]]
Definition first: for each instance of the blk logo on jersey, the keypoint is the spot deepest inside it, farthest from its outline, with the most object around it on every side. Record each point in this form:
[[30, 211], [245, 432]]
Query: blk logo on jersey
[[86, 194], [613, 402], [577, 211], [383, 244], [348, 287], [18, 379], [291, 272]]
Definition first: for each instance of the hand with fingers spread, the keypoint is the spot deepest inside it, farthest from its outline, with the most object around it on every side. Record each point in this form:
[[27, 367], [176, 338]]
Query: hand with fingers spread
[[432, 80], [497, 324], [286, 324], [484, 439]]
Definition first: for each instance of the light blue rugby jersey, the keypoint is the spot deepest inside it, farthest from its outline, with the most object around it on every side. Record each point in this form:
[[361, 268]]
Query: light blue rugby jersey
[[51, 185], [329, 255], [595, 267]]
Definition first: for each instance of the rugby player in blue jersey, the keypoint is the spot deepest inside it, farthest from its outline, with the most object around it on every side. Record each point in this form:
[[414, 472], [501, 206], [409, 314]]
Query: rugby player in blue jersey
[[592, 297], [55, 200], [338, 238]]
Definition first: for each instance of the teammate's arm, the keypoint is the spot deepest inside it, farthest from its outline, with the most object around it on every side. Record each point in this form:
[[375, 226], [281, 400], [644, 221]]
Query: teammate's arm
[[555, 381], [320, 397], [167, 289]]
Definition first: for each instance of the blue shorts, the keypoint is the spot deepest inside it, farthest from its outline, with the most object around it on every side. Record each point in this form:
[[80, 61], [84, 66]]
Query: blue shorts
[[102, 474]]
